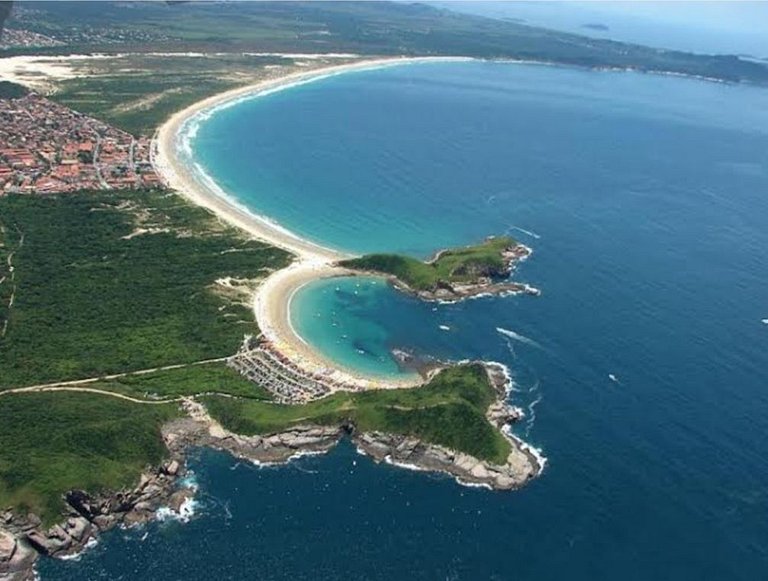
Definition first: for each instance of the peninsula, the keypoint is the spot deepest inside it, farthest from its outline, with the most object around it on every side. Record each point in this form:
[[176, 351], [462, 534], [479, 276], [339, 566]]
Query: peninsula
[[452, 274]]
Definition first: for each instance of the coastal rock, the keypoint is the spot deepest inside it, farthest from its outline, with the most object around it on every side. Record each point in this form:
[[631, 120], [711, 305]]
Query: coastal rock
[[480, 472], [178, 498], [40, 542], [411, 452], [172, 468], [79, 501], [143, 506], [278, 447], [22, 537], [7, 546], [16, 558], [501, 413], [104, 522], [137, 517]]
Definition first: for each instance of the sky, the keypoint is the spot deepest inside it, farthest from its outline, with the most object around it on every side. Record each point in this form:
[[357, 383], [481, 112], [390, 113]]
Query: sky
[[727, 26]]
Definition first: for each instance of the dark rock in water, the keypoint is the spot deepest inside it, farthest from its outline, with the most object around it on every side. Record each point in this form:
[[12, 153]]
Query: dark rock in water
[[361, 348], [424, 365], [178, 498]]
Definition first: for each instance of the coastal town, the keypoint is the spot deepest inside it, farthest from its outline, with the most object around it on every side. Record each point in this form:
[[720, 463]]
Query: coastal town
[[47, 148]]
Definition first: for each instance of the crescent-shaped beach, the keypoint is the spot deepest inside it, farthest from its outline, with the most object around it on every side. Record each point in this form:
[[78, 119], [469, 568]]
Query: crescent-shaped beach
[[272, 300]]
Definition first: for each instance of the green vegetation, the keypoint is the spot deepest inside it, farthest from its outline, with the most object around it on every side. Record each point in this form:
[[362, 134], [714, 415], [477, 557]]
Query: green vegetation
[[449, 411], [138, 92], [451, 266], [9, 90], [190, 380], [111, 282], [56, 442], [369, 28]]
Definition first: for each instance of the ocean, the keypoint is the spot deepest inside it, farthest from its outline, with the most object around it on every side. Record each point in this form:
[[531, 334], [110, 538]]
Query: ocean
[[641, 367]]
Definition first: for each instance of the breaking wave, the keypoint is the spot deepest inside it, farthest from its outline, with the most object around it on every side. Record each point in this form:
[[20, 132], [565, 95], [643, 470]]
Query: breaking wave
[[517, 337], [526, 232]]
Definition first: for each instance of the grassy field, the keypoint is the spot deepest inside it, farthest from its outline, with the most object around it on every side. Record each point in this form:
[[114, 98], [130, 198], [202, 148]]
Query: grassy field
[[94, 296], [191, 380], [449, 411], [56, 442], [459, 265]]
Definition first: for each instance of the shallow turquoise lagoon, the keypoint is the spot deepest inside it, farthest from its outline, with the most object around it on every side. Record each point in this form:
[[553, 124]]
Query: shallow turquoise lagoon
[[334, 314]]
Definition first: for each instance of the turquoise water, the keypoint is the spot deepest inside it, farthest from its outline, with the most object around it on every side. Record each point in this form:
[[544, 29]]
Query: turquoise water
[[335, 313], [646, 200]]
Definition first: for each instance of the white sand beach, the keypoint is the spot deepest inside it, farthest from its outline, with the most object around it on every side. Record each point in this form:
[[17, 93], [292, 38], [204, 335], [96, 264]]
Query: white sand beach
[[272, 307], [272, 299]]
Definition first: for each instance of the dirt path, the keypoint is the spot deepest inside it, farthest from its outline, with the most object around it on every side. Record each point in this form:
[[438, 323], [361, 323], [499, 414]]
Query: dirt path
[[72, 385], [10, 278], [42, 389]]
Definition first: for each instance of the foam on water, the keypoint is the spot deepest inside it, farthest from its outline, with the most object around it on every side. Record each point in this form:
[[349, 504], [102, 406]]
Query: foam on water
[[524, 231], [187, 510], [518, 337], [90, 544]]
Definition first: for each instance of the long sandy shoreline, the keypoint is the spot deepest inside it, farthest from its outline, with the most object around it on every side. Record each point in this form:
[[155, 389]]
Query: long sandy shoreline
[[272, 300]]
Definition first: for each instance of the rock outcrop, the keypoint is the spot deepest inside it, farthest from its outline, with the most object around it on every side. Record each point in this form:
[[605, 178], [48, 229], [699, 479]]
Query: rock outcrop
[[413, 453], [449, 293], [23, 537], [201, 430], [16, 557]]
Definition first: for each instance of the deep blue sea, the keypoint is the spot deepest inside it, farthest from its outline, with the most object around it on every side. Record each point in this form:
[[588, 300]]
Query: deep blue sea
[[643, 366]]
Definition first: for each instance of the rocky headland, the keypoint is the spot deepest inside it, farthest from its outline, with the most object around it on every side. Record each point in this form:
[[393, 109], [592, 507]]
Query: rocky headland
[[452, 275], [23, 537], [446, 292]]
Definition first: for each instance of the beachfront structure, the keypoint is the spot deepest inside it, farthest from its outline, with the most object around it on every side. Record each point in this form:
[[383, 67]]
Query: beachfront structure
[[261, 363]]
